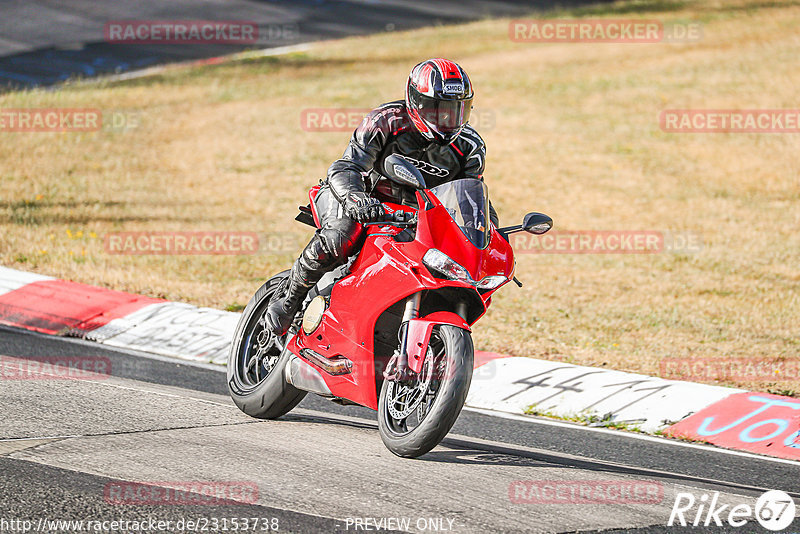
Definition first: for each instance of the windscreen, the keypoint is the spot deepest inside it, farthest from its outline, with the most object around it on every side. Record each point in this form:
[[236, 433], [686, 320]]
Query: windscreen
[[467, 201]]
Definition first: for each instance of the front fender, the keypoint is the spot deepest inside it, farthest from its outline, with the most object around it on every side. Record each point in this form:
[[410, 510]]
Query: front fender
[[419, 335]]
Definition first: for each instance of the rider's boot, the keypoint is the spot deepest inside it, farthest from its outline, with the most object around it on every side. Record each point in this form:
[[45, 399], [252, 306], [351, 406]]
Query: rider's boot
[[330, 246], [281, 311]]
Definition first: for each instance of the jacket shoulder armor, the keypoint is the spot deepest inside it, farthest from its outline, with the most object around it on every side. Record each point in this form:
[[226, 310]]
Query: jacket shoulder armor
[[471, 145], [389, 119]]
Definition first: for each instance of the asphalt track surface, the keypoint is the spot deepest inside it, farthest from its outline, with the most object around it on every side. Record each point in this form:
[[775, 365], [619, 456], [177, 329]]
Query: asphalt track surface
[[157, 419], [43, 42]]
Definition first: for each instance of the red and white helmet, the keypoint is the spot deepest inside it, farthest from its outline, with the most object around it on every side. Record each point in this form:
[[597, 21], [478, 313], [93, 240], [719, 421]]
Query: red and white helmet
[[439, 99]]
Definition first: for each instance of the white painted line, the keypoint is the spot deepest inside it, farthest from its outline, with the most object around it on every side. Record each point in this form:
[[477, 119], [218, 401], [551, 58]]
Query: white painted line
[[157, 357], [66, 436], [175, 396], [109, 381], [239, 56], [632, 435]]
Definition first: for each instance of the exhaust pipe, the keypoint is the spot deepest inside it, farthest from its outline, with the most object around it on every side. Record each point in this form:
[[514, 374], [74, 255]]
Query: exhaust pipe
[[303, 376]]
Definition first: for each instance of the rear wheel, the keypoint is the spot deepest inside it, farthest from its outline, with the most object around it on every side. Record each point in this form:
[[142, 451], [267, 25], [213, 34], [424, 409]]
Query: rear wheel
[[257, 360], [415, 415]]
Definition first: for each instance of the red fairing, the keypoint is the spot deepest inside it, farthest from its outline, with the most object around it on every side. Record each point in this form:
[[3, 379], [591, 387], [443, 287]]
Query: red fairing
[[385, 273], [348, 324], [419, 335], [496, 259]]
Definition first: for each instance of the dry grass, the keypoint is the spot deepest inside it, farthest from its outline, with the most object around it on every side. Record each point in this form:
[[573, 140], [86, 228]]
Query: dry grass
[[576, 136]]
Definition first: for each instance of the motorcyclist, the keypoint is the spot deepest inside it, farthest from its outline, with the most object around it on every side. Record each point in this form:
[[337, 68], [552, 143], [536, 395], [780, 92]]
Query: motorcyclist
[[429, 129]]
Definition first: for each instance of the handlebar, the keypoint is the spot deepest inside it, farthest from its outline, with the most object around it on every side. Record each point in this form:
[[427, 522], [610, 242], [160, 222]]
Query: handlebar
[[400, 219], [391, 223]]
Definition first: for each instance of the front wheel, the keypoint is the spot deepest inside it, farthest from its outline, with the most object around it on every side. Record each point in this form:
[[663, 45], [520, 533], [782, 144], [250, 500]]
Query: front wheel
[[415, 415]]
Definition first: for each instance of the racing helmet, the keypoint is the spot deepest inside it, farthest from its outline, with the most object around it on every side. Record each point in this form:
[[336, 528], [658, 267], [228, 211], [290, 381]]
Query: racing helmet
[[439, 99]]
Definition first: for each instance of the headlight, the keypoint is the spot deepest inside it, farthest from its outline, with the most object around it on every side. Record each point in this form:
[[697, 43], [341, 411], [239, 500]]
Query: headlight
[[438, 261], [313, 315]]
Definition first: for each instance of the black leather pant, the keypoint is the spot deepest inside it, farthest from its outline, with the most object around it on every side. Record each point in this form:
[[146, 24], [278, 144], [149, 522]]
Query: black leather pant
[[339, 238]]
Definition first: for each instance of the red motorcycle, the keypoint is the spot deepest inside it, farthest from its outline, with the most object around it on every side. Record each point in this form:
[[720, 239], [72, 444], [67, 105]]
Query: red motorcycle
[[391, 329]]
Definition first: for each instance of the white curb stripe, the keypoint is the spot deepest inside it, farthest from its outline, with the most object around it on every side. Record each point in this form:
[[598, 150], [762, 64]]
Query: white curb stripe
[[565, 390], [11, 279], [173, 329], [508, 385]]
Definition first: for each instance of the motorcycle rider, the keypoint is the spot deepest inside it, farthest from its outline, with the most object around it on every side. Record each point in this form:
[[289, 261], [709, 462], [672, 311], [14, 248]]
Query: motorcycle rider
[[429, 129]]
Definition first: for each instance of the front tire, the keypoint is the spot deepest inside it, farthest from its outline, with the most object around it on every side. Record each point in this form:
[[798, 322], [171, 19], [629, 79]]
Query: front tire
[[257, 360], [443, 385]]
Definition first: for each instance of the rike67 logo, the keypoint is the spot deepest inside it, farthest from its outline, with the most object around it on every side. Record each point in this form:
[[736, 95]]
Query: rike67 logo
[[774, 510]]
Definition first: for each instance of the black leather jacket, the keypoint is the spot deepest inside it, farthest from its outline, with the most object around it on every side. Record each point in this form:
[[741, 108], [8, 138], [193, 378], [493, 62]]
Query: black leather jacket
[[388, 130]]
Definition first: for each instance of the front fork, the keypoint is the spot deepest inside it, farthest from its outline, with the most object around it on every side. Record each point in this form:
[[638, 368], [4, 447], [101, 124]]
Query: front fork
[[398, 368], [411, 312]]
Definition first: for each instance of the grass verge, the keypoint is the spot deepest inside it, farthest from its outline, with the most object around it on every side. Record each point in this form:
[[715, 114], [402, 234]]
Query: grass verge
[[572, 130]]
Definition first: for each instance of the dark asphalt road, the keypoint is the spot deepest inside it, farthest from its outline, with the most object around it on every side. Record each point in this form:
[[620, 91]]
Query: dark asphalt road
[[44, 488], [43, 42], [34, 492], [612, 452]]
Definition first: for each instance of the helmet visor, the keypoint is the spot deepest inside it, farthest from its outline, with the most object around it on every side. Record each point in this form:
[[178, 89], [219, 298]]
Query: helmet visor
[[446, 116]]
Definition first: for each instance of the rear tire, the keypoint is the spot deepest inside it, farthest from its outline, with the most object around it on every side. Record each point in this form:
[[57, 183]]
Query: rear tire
[[454, 348], [257, 360]]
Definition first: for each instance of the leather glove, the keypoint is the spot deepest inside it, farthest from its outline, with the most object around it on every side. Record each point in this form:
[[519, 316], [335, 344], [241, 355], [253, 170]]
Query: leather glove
[[363, 208]]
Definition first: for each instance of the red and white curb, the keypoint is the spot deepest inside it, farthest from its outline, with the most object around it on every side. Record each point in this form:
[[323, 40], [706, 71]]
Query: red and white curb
[[732, 418]]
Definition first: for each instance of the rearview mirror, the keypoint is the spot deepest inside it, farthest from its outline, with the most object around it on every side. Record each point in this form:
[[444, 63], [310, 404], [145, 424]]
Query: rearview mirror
[[537, 223], [534, 222], [402, 172]]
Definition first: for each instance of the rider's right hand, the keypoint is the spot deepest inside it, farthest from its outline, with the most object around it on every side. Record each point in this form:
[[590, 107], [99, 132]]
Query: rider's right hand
[[363, 208]]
